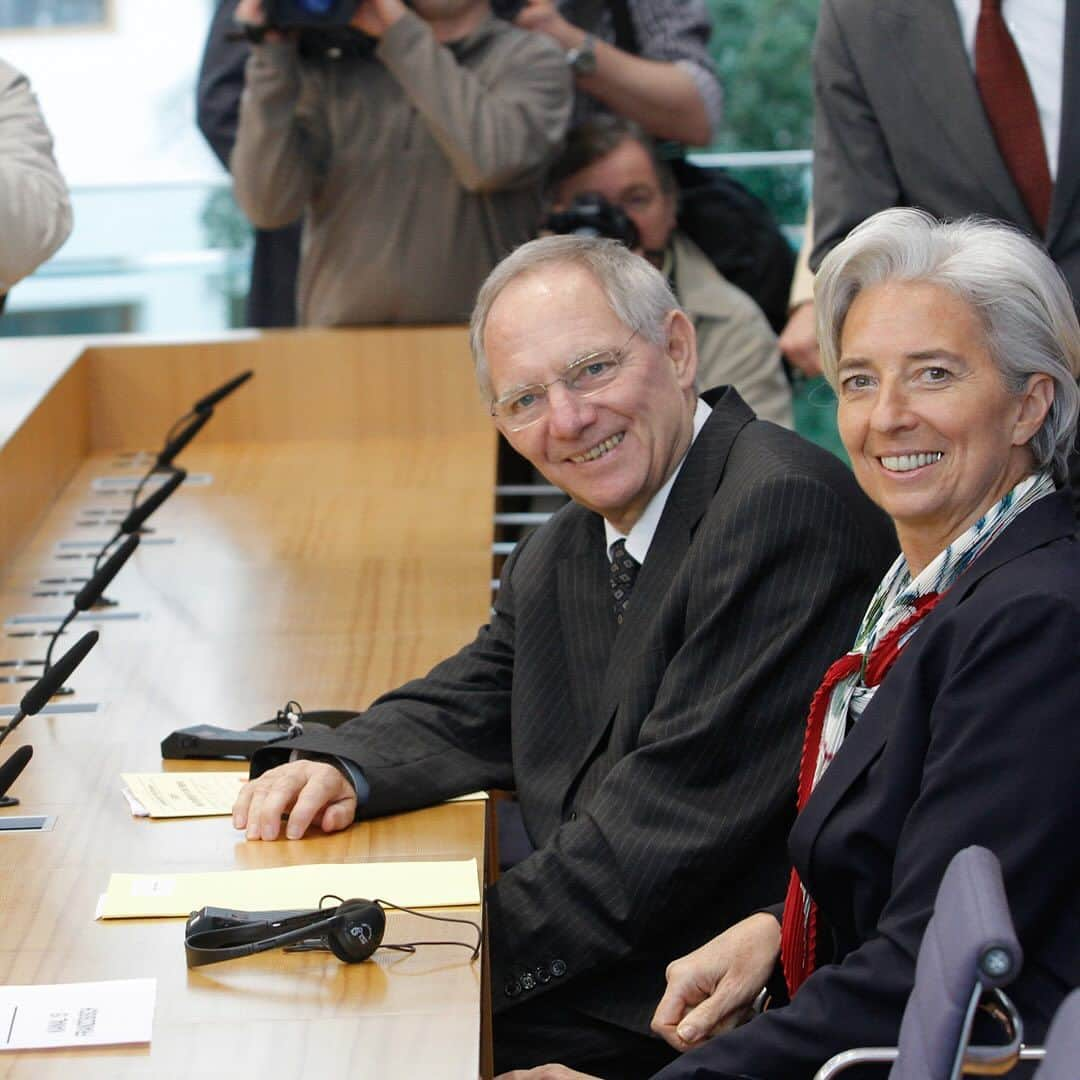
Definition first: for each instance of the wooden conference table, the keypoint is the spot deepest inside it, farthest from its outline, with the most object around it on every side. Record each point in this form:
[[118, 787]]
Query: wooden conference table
[[334, 539]]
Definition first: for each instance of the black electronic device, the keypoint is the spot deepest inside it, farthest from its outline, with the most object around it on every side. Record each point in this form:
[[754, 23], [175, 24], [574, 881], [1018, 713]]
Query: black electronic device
[[37, 697], [590, 214], [9, 773], [210, 741], [507, 9], [352, 930], [304, 14]]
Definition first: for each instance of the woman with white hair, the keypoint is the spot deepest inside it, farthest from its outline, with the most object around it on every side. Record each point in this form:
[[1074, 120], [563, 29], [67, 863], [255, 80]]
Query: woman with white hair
[[953, 350]]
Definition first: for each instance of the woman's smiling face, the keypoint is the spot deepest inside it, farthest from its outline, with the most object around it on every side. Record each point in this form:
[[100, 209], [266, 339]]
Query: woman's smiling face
[[934, 436]]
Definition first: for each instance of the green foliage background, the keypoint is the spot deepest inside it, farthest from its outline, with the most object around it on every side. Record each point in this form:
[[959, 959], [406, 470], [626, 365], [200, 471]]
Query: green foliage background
[[762, 50]]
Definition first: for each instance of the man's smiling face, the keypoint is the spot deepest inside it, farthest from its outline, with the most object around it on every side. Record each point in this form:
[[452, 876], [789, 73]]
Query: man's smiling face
[[613, 451]]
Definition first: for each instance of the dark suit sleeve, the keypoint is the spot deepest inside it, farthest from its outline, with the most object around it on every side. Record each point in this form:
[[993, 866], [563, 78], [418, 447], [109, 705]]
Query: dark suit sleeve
[[773, 584], [221, 81], [1000, 768], [854, 175], [437, 737]]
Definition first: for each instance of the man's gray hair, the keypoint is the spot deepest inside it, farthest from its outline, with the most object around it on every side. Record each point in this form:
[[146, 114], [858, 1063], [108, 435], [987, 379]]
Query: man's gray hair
[[637, 292], [1015, 291]]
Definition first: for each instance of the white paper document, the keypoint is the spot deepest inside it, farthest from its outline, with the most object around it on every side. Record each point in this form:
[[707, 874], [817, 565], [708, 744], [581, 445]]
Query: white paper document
[[77, 1014], [182, 794]]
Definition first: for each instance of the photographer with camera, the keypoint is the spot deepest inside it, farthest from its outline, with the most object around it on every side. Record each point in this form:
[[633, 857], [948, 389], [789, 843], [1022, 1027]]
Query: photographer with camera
[[609, 181], [416, 163]]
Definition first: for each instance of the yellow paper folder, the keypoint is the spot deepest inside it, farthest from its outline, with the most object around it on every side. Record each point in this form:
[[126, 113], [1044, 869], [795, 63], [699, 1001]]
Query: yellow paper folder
[[408, 884]]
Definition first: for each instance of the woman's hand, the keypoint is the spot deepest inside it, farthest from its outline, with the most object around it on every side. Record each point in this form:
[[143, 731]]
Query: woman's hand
[[712, 989]]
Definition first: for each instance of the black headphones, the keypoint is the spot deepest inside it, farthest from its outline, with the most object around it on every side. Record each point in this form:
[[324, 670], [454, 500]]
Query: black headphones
[[351, 930]]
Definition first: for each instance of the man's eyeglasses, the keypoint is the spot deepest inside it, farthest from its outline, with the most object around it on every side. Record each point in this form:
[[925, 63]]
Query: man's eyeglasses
[[584, 377]]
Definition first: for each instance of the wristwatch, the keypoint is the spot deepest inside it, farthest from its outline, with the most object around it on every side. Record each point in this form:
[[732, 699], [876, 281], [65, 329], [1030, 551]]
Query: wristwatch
[[582, 60]]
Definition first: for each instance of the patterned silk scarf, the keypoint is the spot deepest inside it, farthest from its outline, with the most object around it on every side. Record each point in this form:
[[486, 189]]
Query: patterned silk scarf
[[891, 620]]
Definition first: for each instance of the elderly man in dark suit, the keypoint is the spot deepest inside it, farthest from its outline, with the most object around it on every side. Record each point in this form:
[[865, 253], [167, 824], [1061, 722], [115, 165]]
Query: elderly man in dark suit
[[643, 678]]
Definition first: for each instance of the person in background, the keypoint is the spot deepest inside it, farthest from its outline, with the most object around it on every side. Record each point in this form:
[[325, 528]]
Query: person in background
[[642, 679], [35, 209], [950, 722], [645, 60], [275, 257], [798, 339], [672, 90], [954, 107], [416, 166], [736, 346]]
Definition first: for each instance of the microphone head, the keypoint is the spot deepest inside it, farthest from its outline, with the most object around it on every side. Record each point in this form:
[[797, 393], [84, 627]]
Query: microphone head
[[37, 697], [175, 445], [141, 512], [99, 582], [223, 391], [9, 771]]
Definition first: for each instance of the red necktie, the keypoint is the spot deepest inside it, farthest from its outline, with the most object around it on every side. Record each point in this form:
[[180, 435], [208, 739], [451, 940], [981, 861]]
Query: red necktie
[[1010, 107], [798, 934]]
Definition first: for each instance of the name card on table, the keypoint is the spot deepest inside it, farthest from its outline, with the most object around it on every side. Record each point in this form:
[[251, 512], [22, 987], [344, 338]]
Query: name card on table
[[76, 1014]]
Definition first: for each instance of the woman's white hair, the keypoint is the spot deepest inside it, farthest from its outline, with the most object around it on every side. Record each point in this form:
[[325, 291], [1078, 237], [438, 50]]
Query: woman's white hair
[[1017, 293], [638, 294]]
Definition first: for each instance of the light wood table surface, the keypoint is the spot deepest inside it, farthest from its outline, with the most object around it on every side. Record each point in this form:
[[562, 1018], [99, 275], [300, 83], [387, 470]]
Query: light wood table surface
[[341, 546]]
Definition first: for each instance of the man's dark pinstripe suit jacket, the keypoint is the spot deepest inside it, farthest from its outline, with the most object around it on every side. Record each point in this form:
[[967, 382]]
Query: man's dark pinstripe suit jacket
[[654, 762]]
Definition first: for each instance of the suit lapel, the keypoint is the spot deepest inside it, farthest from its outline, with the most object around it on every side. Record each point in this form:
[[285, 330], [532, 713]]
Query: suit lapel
[[586, 621], [928, 47], [1049, 519], [688, 500], [1066, 201]]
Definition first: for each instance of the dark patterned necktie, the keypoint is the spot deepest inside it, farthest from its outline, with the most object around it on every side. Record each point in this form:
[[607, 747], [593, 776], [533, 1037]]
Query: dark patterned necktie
[[1012, 111], [624, 568]]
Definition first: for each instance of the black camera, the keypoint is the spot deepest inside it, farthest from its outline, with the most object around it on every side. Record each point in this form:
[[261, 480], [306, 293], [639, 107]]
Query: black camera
[[306, 14], [590, 214], [329, 14]]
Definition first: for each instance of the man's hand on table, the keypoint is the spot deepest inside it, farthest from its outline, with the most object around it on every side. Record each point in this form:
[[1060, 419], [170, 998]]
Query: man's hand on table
[[310, 792]]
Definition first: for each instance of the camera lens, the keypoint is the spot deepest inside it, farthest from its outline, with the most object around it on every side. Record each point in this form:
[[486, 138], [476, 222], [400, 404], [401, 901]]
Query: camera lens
[[315, 7]]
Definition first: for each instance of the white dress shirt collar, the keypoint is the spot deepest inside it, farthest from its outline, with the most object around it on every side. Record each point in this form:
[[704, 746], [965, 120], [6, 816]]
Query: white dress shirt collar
[[640, 536]]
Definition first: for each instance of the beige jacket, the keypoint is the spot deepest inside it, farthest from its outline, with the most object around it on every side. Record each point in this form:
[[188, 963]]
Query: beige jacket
[[415, 169], [736, 345], [35, 212]]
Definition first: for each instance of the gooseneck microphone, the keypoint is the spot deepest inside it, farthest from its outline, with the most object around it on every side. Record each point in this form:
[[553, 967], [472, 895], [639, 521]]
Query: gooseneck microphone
[[210, 400], [37, 697], [138, 514], [9, 773], [187, 427], [180, 440], [89, 594]]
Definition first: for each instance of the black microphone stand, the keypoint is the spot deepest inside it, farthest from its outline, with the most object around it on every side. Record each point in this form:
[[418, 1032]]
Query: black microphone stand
[[37, 697]]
